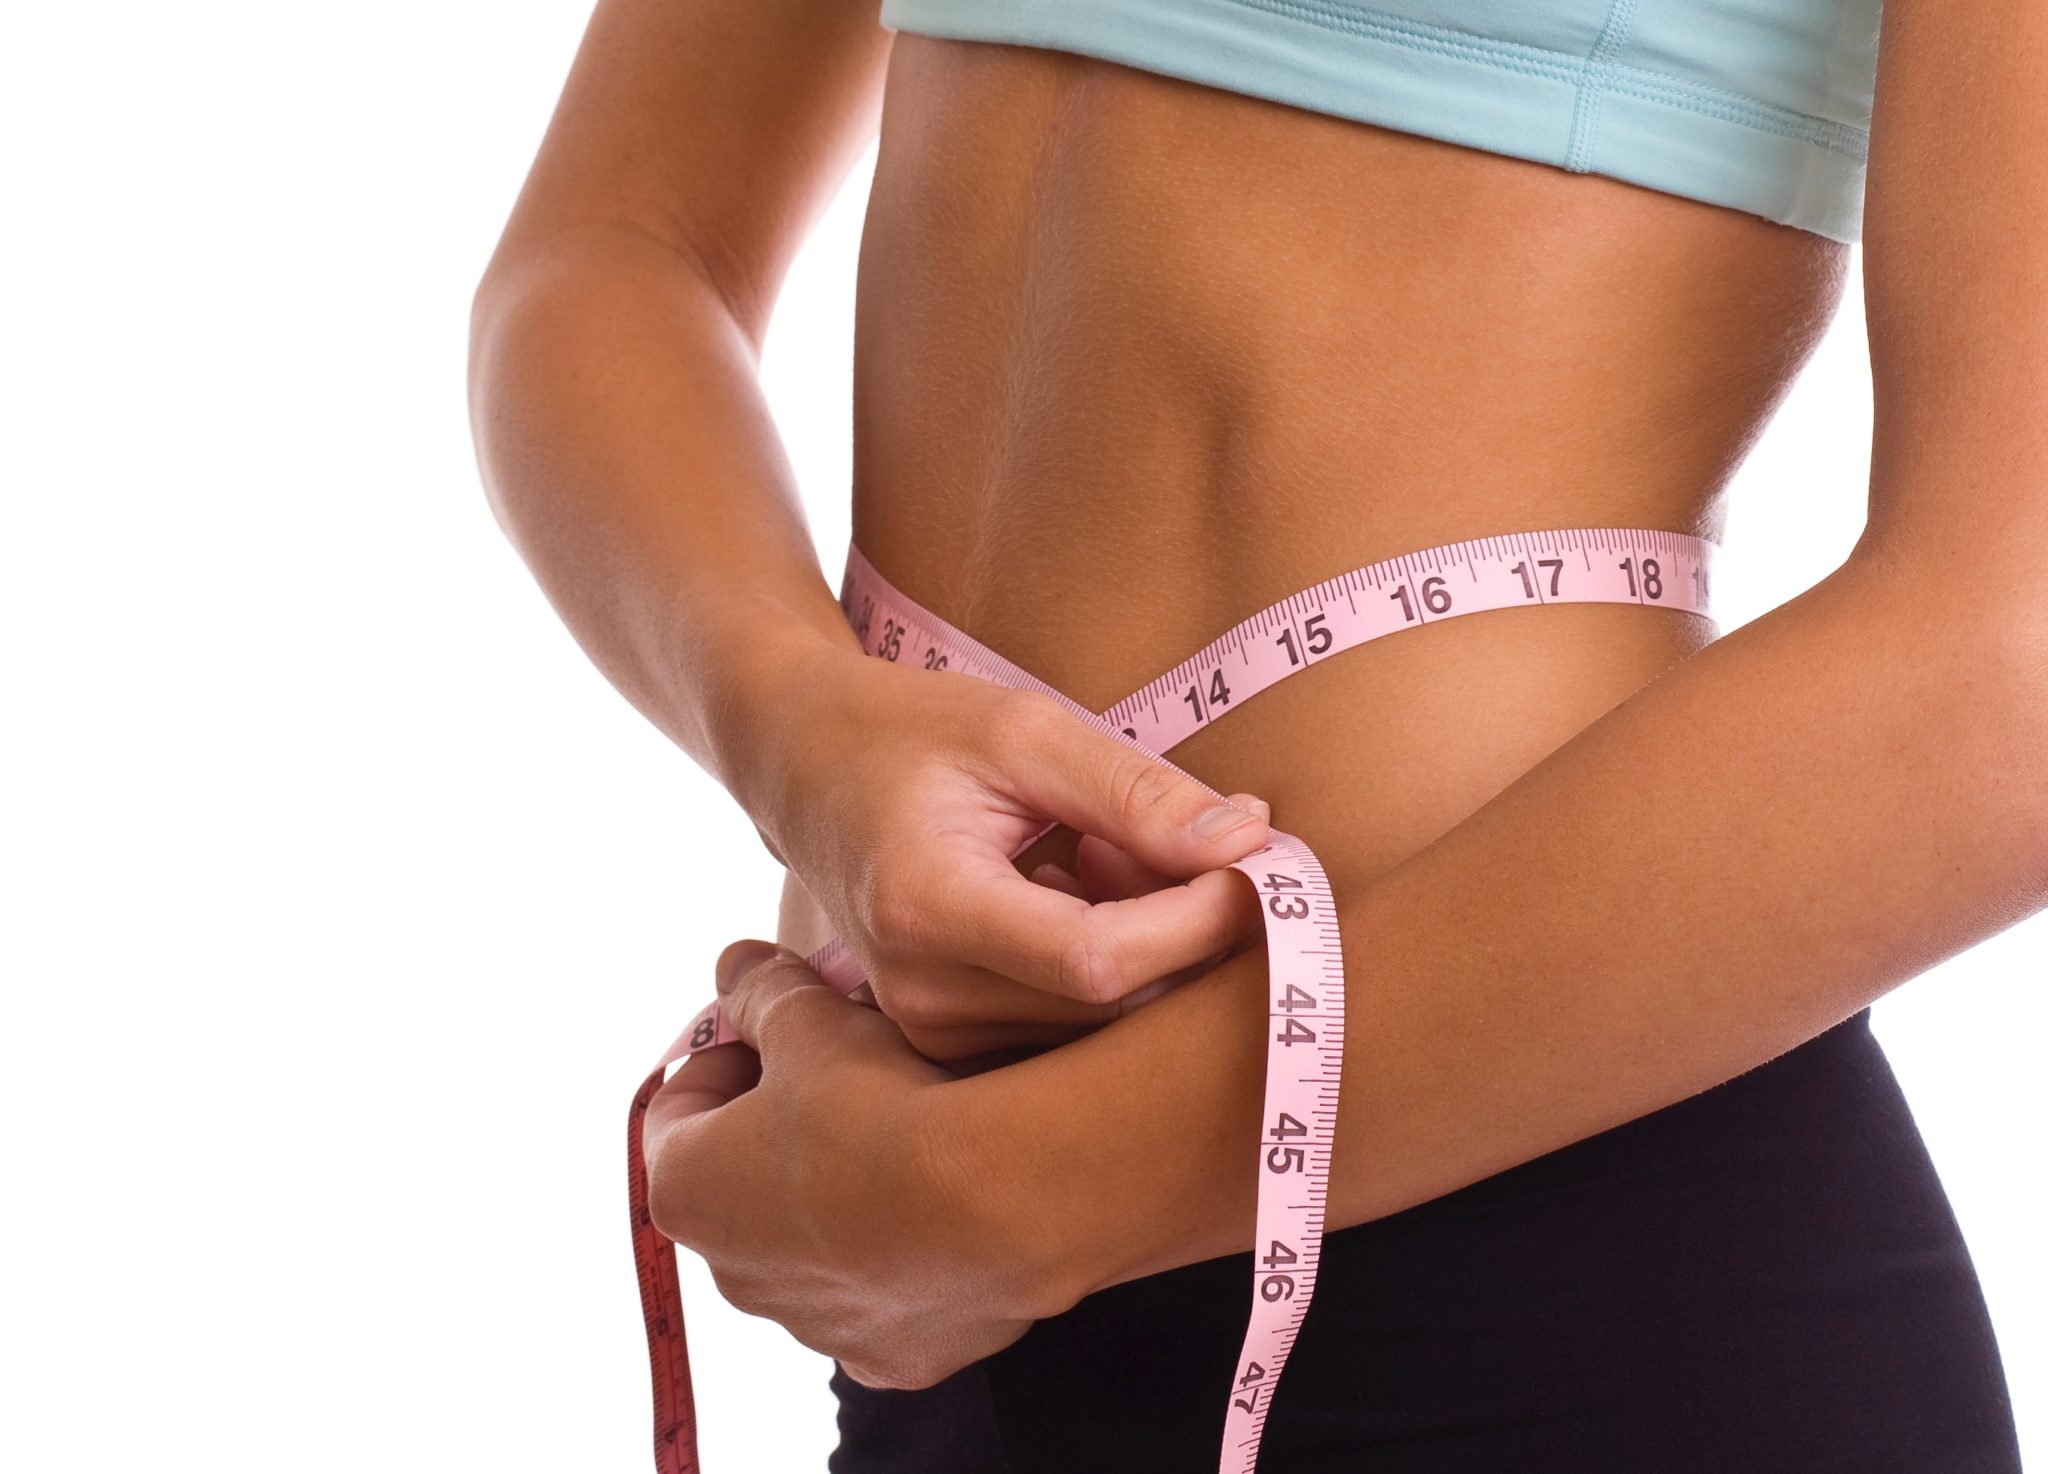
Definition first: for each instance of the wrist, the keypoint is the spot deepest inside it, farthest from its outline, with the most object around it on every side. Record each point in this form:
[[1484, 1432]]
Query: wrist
[[760, 716], [1098, 1162], [972, 1174]]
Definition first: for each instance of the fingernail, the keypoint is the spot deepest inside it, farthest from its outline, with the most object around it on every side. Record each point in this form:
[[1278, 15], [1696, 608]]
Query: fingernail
[[1219, 821], [1260, 807], [741, 958], [1139, 997]]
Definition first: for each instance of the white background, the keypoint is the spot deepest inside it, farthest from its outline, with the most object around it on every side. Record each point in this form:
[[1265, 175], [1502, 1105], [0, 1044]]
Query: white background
[[345, 904]]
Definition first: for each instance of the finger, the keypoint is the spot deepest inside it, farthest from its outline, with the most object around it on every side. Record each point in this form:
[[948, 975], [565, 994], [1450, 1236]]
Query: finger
[[939, 1002], [1065, 882], [987, 915], [703, 1082], [737, 958], [769, 845], [1010, 1021], [703, 1103], [776, 1003], [1106, 873], [1056, 765], [1159, 987]]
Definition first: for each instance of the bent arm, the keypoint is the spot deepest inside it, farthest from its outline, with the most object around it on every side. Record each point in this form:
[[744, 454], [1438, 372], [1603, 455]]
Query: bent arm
[[623, 436], [630, 454], [1744, 853]]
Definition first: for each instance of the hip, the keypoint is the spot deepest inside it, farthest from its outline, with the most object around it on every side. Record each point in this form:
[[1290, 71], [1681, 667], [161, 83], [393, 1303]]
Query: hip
[[1765, 1276]]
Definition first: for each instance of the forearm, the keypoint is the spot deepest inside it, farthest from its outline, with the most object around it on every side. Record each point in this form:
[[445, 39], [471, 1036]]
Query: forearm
[[631, 457], [1750, 849]]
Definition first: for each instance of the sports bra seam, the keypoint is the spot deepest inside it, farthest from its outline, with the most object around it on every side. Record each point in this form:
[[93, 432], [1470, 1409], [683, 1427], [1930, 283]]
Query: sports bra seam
[[1701, 98], [1585, 129]]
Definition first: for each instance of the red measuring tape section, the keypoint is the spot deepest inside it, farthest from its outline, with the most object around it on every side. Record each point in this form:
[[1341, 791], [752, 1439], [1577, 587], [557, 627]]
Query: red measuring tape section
[[1305, 961]]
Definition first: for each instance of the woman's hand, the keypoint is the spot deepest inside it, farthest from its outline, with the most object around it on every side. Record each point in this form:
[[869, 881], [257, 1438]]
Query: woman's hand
[[800, 1167], [897, 795]]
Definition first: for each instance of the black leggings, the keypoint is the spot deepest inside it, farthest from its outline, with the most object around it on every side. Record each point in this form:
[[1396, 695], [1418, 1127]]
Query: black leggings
[[1765, 1277]]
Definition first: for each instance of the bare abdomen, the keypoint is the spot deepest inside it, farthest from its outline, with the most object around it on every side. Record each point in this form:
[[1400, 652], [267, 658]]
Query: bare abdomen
[[1135, 358]]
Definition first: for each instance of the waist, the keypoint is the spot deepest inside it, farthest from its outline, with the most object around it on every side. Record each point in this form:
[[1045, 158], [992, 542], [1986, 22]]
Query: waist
[[1307, 699], [1135, 357]]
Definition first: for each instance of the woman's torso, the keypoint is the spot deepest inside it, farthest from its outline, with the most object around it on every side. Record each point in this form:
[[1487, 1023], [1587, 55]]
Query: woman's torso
[[1134, 358]]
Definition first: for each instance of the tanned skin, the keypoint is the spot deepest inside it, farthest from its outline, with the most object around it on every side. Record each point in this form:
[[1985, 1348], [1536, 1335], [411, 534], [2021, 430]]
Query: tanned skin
[[1135, 358]]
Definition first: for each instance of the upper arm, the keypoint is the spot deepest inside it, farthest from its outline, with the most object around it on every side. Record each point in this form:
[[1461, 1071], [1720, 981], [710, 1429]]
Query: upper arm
[[719, 128], [1955, 275]]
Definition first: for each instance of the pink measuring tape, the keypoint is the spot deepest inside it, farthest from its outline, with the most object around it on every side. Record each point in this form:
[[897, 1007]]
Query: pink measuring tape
[[1305, 962]]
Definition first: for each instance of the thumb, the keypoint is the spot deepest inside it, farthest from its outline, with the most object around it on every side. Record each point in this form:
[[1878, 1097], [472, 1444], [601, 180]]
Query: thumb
[[1145, 806], [780, 1007], [1105, 873], [771, 997]]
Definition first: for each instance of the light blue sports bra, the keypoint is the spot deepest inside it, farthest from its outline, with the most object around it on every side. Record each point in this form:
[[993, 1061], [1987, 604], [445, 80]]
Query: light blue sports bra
[[1759, 105]]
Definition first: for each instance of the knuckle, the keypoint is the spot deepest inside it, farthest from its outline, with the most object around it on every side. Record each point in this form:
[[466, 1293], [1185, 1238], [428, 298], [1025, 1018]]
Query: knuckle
[[867, 1373], [669, 1202], [1089, 967], [906, 1004], [768, 1015], [896, 914], [778, 1011], [739, 1290], [897, 1370], [941, 1043], [1026, 720], [922, 1008], [668, 1222], [914, 1373], [1141, 790]]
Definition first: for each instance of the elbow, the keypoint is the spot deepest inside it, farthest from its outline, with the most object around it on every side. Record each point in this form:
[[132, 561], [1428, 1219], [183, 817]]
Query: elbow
[[488, 302], [487, 311], [1967, 658], [2005, 694], [1970, 660], [2031, 728]]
